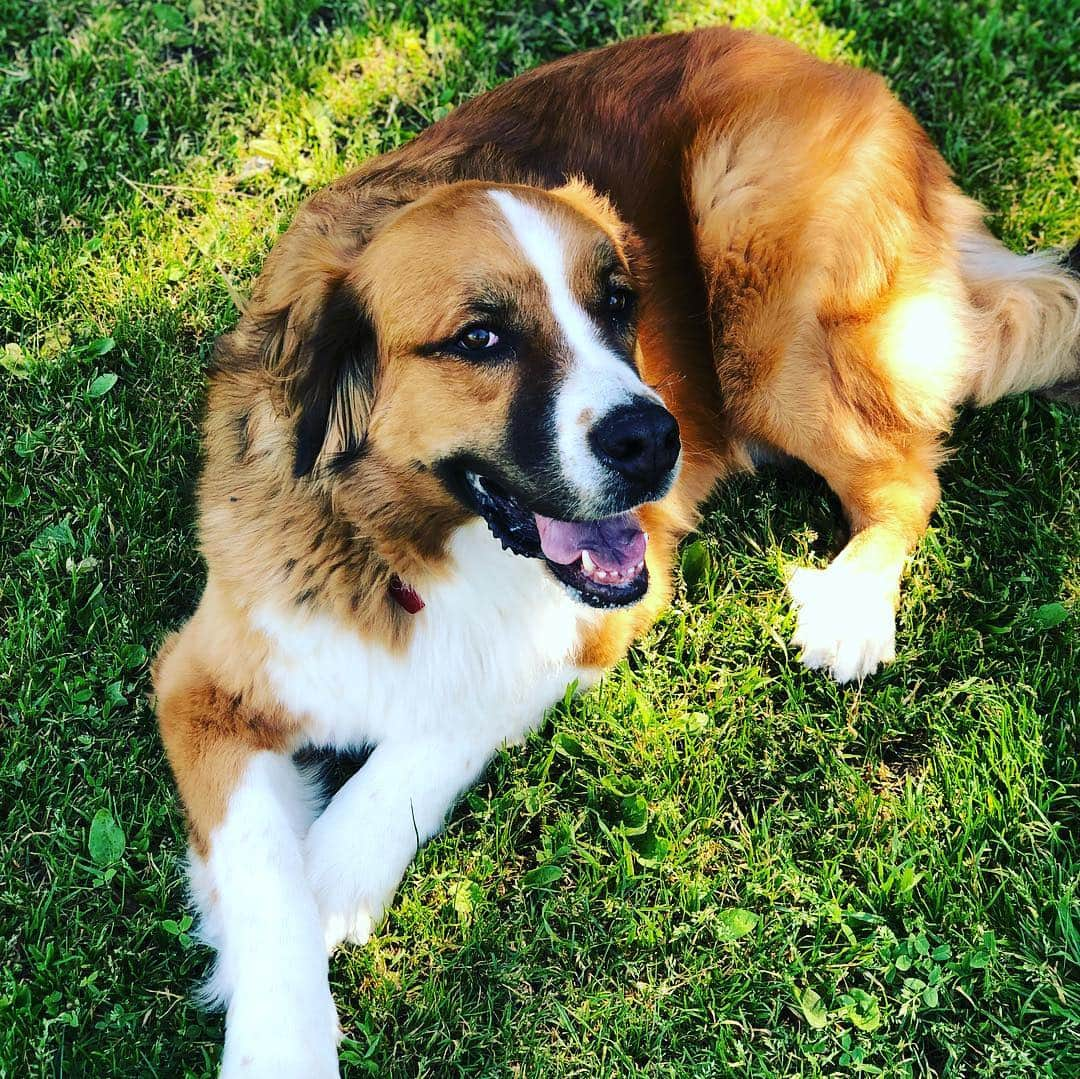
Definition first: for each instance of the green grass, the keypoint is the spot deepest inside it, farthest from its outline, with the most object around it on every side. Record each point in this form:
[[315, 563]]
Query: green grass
[[907, 852]]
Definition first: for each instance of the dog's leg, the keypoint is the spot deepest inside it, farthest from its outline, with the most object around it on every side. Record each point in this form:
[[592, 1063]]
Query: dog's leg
[[248, 808], [281, 1019], [359, 848], [839, 338], [846, 614]]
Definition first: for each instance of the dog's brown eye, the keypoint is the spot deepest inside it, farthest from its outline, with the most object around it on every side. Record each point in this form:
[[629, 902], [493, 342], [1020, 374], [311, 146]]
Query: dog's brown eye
[[618, 300], [478, 339]]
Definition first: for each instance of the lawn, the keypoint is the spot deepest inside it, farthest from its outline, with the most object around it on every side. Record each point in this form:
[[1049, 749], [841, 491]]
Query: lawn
[[715, 864]]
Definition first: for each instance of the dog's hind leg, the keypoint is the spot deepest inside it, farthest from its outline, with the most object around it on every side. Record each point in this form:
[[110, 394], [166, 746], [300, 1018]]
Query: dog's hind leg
[[838, 338], [970, 322], [248, 808], [846, 613], [863, 402]]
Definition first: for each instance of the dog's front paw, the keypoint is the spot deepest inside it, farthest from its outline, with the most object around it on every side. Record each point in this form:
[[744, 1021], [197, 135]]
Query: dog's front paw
[[845, 620], [349, 883], [344, 923]]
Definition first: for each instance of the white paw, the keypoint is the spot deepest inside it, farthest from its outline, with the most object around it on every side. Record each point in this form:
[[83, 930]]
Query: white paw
[[349, 885], [845, 620], [344, 926]]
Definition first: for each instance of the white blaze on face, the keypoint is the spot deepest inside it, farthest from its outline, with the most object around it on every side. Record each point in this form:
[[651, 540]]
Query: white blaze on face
[[597, 380]]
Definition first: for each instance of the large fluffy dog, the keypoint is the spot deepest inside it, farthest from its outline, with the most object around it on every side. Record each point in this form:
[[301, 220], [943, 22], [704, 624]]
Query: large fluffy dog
[[480, 389]]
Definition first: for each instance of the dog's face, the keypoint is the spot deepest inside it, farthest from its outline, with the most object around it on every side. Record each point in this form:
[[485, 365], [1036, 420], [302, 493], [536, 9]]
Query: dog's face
[[496, 351]]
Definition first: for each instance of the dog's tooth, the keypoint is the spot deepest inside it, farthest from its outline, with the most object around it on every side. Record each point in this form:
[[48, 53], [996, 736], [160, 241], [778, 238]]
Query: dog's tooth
[[587, 564]]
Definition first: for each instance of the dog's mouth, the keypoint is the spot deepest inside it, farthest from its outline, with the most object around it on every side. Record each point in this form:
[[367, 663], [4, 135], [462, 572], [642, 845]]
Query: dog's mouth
[[601, 562]]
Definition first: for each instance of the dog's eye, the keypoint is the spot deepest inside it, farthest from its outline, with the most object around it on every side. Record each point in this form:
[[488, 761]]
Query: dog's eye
[[618, 301], [478, 339]]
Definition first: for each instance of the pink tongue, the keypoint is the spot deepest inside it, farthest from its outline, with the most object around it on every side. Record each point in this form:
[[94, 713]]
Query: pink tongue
[[614, 543]]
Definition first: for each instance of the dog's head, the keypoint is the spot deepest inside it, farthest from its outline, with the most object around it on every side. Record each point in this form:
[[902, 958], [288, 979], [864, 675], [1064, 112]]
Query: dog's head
[[484, 338]]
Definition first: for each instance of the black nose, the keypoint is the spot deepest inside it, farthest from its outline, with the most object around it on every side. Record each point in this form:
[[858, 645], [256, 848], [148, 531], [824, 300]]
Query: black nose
[[639, 441]]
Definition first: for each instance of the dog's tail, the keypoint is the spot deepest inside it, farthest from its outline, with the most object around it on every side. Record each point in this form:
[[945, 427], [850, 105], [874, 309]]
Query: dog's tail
[[1025, 319]]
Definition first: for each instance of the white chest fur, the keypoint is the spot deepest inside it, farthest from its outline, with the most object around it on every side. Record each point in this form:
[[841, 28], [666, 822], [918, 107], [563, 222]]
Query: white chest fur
[[491, 650]]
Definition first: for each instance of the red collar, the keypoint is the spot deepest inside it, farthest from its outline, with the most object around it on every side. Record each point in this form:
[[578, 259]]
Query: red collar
[[405, 595]]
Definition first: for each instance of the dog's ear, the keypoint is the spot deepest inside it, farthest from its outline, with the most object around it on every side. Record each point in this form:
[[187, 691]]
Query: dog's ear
[[333, 381], [309, 329], [584, 198]]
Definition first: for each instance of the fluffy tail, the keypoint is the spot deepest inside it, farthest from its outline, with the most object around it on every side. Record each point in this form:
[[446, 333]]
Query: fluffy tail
[[1025, 333]]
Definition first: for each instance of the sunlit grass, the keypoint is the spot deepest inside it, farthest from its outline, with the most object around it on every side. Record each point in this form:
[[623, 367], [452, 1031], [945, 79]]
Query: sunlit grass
[[798, 22], [745, 869]]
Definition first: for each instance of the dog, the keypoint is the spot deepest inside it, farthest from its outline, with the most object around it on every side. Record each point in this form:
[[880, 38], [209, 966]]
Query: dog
[[479, 392]]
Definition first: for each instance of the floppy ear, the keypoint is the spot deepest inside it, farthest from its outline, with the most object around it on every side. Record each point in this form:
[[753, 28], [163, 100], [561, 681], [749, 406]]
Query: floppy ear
[[313, 335], [333, 382]]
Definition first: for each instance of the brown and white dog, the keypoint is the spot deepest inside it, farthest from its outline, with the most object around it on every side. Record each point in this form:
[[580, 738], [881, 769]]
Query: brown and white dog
[[480, 390]]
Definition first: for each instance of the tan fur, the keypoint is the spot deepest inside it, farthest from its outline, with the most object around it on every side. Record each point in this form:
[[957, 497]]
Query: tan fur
[[1024, 318], [215, 710]]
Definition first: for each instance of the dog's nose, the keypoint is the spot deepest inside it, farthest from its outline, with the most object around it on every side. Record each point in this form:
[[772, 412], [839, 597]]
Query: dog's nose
[[639, 441]]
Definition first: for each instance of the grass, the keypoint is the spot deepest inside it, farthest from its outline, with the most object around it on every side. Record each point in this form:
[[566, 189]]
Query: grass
[[716, 864]]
